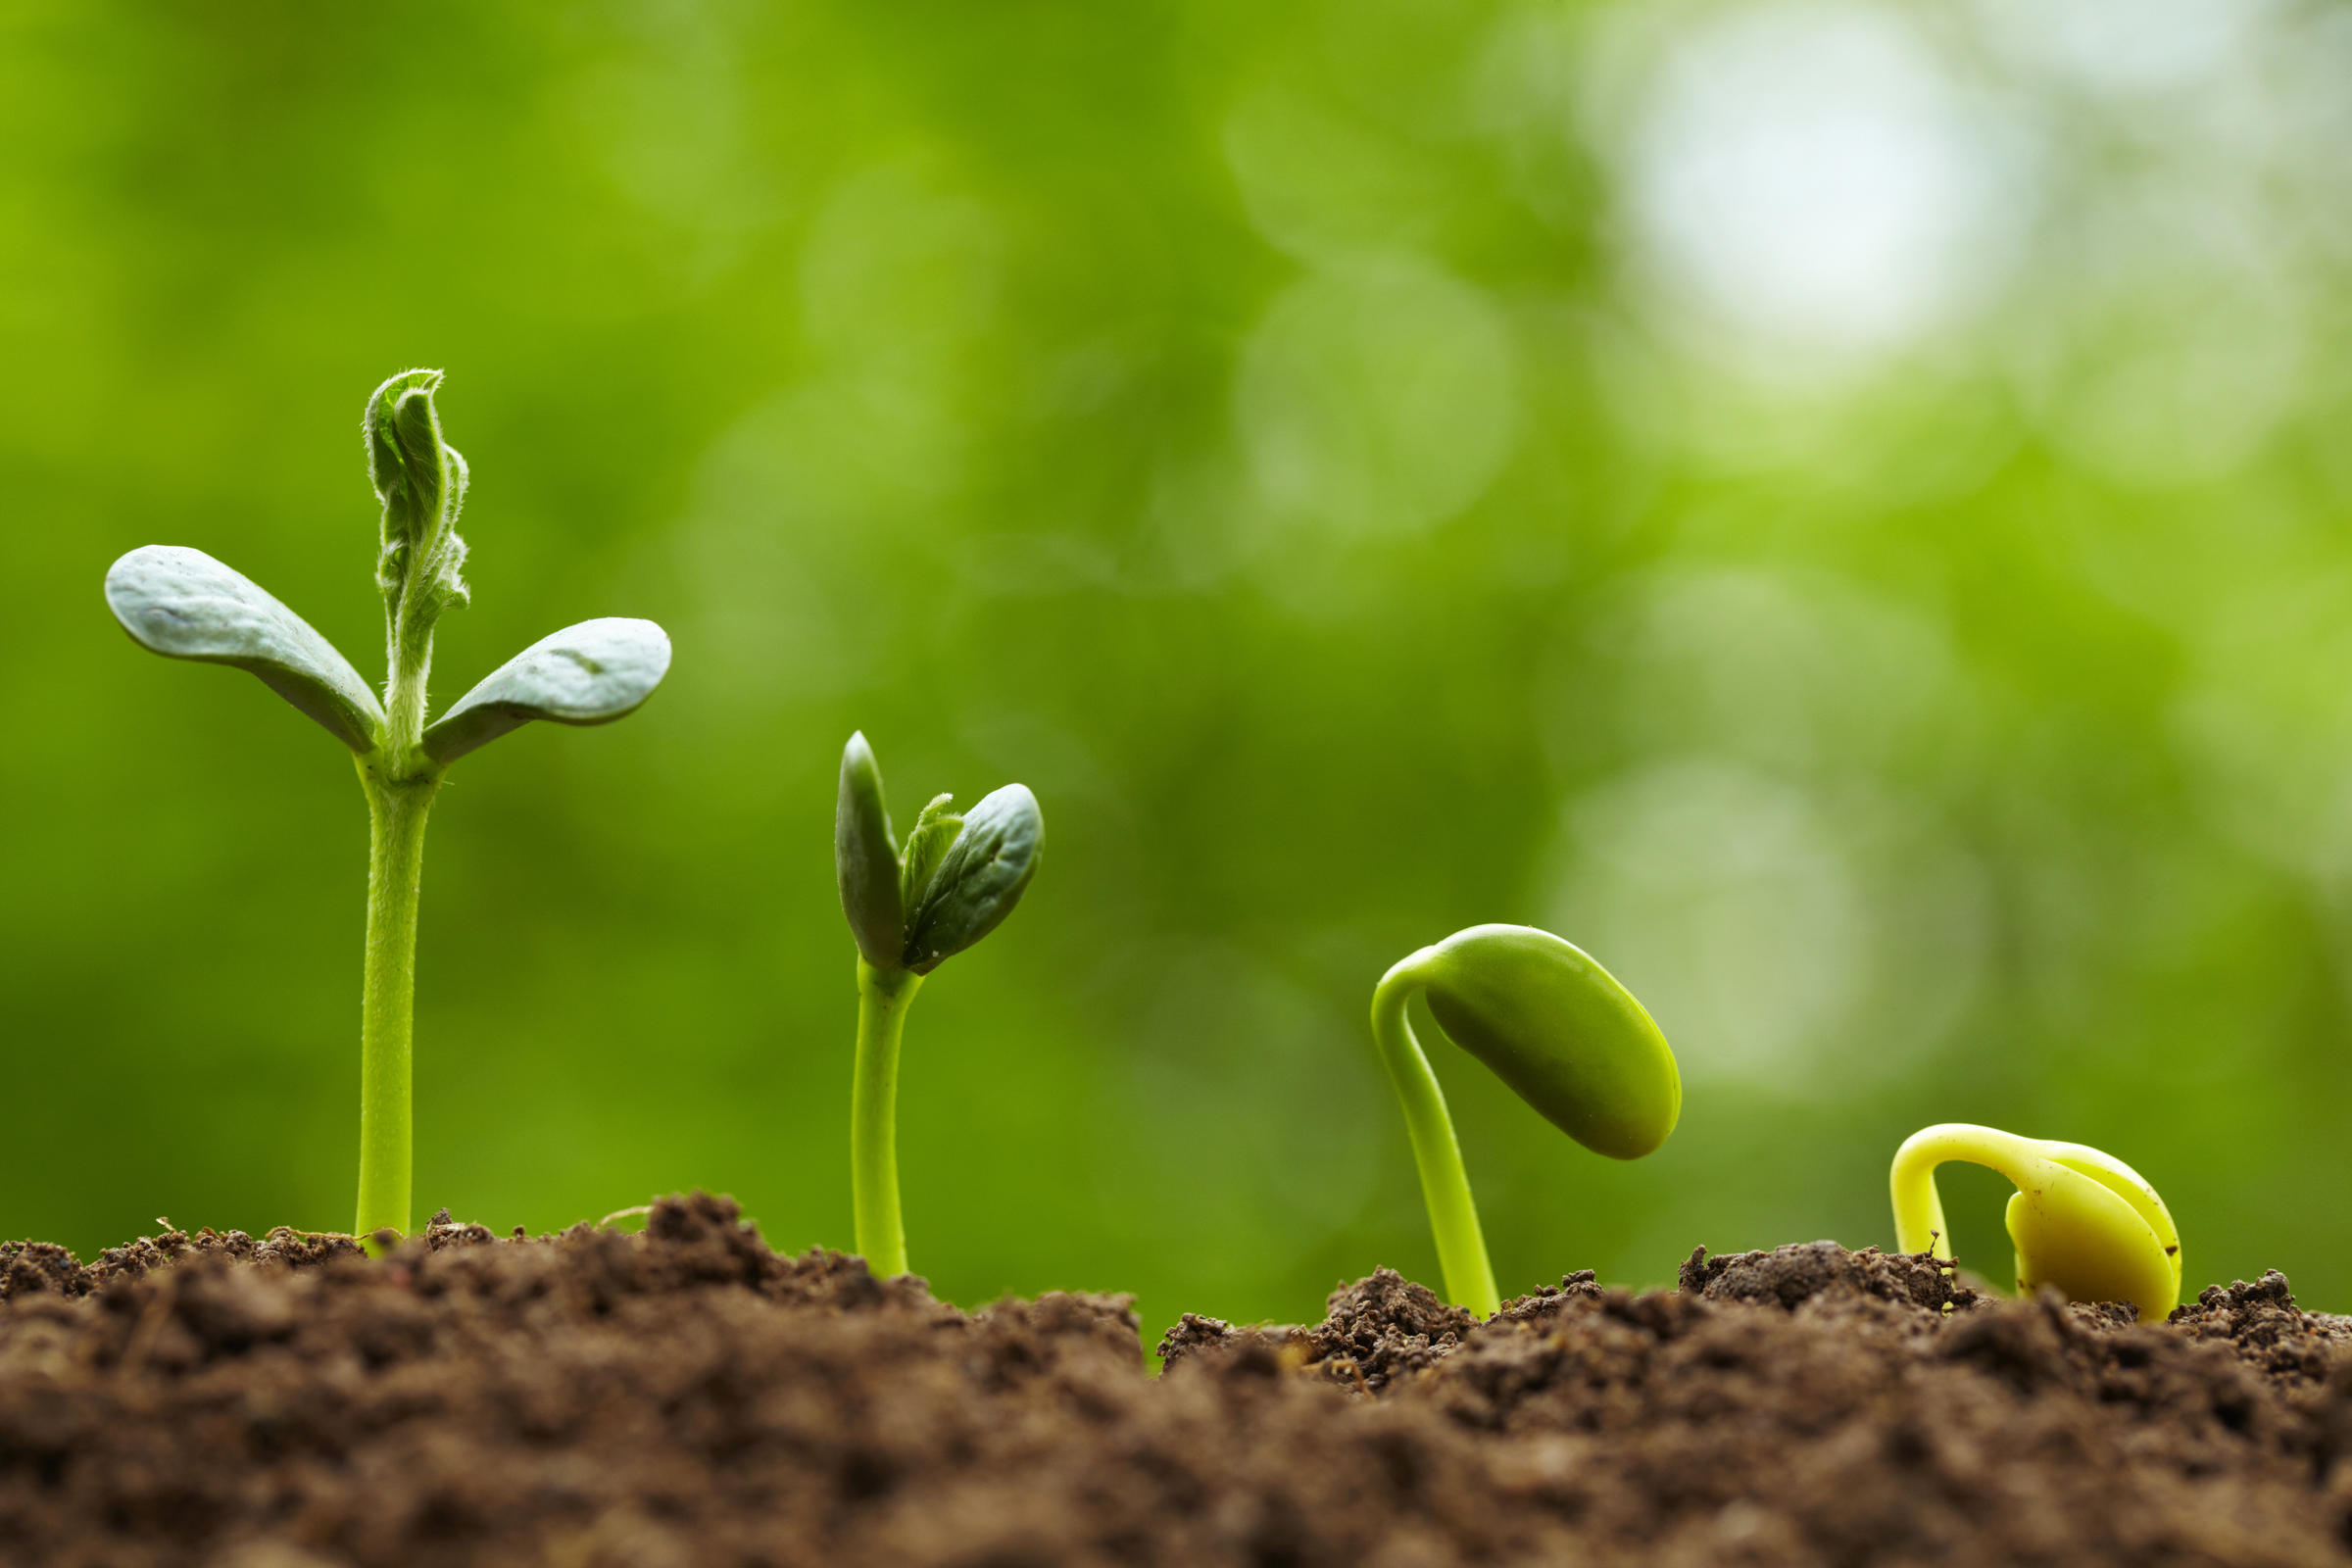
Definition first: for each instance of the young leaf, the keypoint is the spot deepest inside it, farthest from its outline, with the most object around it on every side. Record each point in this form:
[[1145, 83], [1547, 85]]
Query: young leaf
[[865, 858], [933, 830], [591, 674], [979, 879], [421, 479], [183, 603]]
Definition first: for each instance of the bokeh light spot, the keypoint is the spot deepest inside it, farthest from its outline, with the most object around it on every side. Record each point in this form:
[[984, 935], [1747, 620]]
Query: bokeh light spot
[[1377, 398], [1810, 181]]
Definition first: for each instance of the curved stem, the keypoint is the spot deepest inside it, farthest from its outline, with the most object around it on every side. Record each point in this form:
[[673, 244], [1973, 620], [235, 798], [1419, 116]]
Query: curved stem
[[1444, 1185], [396, 814], [882, 996], [1919, 1222]]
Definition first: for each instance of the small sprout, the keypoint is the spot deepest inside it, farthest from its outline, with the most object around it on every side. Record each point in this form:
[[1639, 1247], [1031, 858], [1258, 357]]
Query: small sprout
[[910, 910], [183, 603], [2081, 1220], [1553, 1025]]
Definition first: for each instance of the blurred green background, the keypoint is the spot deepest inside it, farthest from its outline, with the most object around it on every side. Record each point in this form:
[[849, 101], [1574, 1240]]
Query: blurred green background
[[1844, 511]]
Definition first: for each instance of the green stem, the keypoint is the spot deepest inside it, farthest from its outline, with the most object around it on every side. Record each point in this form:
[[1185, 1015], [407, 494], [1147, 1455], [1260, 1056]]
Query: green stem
[[1444, 1184], [396, 814], [882, 996]]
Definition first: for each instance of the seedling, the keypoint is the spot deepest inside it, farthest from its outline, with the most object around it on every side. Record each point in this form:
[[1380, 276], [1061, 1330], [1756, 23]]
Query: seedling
[[2081, 1220], [183, 603], [911, 909], [1553, 1025]]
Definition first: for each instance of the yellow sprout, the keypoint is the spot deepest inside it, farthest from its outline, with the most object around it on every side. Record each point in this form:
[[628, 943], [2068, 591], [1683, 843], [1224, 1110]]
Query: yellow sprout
[[2081, 1220]]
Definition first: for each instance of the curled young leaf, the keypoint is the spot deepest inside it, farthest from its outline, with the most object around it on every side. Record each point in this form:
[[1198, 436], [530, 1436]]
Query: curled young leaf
[[926, 844], [1560, 1030], [979, 879], [865, 858], [421, 479], [183, 603], [591, 674]]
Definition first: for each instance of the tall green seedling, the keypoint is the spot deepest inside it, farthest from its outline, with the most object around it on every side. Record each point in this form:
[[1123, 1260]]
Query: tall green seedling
[[1553, 1025], [911, 908], [183, 603]]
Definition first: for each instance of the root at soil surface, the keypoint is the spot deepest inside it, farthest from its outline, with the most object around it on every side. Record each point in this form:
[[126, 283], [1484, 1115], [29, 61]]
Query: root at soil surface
[[687, 1396]]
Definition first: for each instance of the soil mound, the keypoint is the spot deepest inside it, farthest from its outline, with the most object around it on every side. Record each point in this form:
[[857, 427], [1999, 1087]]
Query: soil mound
[[689, 1396]]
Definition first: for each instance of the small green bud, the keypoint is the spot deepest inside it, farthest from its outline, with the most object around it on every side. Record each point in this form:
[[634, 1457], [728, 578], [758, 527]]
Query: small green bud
[[865, 858], [421, 479], [926, 842], [403, 454], [1560, 1030], [979, 878]]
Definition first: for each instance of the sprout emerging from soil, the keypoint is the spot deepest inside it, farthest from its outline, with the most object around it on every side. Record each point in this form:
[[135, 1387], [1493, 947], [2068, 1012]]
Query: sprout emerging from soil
[[2081, 1220], [911, 910], [1553, 1025], [183, 603]]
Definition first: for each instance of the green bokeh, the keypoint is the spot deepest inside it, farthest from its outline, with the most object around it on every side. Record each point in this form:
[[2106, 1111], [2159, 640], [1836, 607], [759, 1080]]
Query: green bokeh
[[1370, 469]]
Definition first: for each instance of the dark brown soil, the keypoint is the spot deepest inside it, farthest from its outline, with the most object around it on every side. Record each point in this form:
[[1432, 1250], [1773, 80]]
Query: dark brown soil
[[687, 1396]]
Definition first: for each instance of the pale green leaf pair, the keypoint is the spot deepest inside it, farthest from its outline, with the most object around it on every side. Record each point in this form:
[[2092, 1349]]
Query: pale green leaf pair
[[954, 882], [183, 603]]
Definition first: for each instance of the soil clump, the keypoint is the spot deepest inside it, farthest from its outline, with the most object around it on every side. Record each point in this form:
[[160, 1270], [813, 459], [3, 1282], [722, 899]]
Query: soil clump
[[688, 1396]]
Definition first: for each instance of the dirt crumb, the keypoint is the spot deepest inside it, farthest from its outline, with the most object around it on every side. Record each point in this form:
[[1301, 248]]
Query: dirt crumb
[[1788, 1276], [2262, 1324], [1547, 1301], [1373, 1330]]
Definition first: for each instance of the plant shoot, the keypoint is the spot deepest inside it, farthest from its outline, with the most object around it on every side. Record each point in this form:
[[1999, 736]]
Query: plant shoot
[[911, 908], [2081, 1220], [1553, 1025], [183, 603]]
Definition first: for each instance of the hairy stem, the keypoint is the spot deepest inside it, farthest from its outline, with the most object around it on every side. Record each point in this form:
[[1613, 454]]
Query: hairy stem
[[1444, 1184], [405, 697], [396, 814], [882, 996]]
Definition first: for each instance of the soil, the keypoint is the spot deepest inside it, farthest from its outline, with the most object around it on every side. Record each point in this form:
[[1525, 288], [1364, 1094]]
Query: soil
[[685, 1395]]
